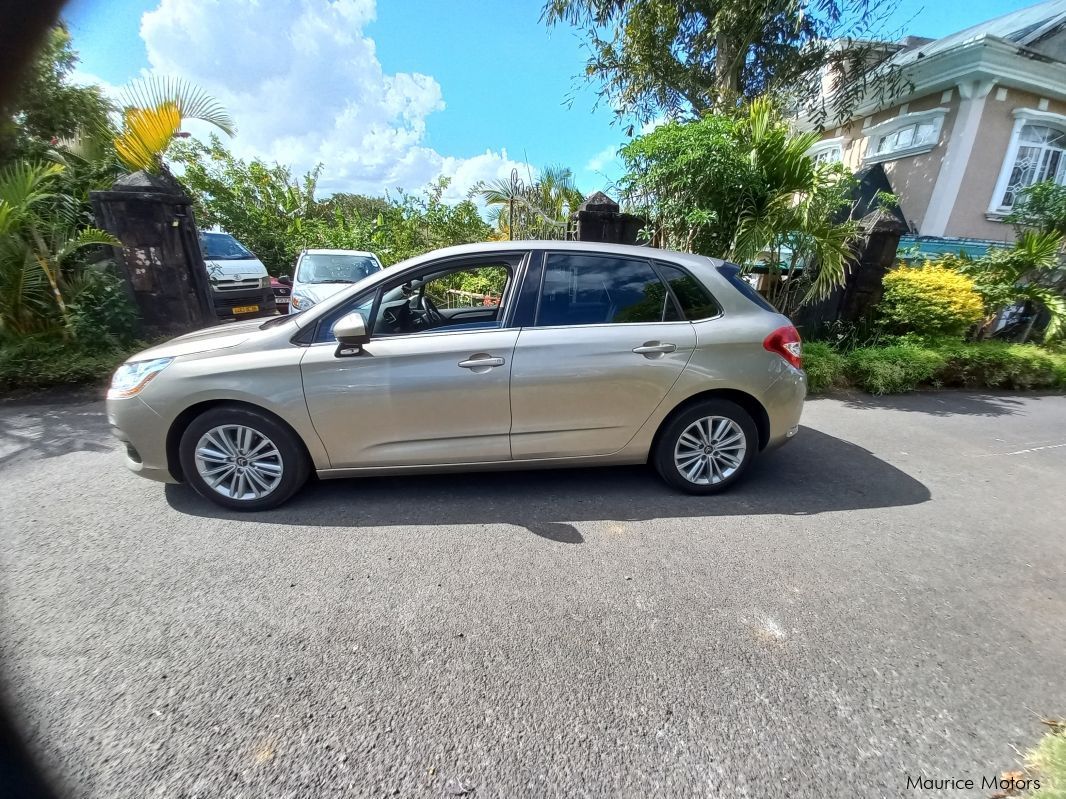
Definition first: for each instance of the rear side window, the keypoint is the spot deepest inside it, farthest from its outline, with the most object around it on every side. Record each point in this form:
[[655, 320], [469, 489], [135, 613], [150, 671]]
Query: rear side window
[[696, 302], [581, 289], [731, 272]]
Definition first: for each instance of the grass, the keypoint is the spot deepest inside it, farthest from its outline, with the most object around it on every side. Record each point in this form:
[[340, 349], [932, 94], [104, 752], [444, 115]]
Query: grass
[[908, 365], [1048, 762]]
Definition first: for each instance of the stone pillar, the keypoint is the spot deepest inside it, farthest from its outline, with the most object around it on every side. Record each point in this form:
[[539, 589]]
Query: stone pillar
[[160, 256], [881, 231], [600, 219]]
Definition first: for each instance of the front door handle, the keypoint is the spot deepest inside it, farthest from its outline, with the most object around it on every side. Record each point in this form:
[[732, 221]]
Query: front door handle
[[481, 362], [654, 348]]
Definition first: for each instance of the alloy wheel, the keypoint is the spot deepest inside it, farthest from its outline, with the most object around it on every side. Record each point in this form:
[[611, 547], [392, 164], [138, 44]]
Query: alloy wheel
[[238, 462], [710, 450]]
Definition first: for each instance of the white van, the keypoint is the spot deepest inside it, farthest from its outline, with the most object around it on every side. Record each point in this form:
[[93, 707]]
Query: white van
[[322, 273], [240, 284]]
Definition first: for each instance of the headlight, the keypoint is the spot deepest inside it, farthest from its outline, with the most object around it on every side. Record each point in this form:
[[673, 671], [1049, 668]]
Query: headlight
[[264, 282], [301, 302], [131, 378]]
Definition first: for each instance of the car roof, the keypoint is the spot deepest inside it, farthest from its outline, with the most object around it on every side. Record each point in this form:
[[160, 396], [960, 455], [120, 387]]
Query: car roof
[[631, 250], [324, 251]]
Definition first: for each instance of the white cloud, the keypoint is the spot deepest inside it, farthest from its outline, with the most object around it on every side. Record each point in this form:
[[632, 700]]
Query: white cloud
[[304, 85], [604, 158]]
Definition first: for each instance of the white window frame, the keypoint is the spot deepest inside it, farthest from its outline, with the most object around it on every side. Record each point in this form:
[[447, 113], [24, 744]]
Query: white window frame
[[882, 130], [826, 146], [1022, 117]]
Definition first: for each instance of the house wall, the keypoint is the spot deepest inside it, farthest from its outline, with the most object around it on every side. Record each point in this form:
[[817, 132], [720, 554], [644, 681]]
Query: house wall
[[912, 177], [969, 215]]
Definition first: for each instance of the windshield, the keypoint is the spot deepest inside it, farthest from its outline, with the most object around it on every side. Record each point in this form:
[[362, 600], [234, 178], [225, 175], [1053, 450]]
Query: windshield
[[223, 247], [337, 268]]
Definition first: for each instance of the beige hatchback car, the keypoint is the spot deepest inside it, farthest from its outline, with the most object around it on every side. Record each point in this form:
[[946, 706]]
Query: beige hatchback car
[[503, 355]]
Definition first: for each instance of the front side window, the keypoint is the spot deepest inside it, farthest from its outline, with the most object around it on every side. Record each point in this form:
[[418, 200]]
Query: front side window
[[581, 289], [461, 297], [1039, 155], [335, 268]]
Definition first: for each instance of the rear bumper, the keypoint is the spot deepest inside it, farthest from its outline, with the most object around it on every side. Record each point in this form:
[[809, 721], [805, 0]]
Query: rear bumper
[[225, 301], [783, 401]]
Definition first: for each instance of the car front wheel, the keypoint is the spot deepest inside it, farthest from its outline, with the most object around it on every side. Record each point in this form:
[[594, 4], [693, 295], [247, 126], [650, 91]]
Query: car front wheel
[[242, 459], [707, 447]]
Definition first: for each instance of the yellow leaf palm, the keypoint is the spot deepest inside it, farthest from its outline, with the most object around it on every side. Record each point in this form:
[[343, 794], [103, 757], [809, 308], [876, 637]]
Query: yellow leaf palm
[[146, 133]]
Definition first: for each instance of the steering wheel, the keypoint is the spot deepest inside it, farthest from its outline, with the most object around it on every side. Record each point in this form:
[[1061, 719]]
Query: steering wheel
[[433, 316]]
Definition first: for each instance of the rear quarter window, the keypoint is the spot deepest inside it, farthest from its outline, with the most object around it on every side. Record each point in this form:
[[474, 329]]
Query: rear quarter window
[[695, 301], [731, 272]]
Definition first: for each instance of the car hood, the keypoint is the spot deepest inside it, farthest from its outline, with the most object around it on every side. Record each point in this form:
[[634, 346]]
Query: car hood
[[245, 267], [212, 338], [316, 292]]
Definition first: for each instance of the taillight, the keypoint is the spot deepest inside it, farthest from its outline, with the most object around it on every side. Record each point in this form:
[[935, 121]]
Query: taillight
[[785, 341]]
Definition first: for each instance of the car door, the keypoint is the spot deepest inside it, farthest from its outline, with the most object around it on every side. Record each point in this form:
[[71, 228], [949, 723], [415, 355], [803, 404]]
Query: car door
[[417, 397], [606, 346]]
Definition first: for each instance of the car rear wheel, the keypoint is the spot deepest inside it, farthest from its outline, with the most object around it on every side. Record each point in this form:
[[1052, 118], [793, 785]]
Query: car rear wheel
[[242, 459], [707, 447]]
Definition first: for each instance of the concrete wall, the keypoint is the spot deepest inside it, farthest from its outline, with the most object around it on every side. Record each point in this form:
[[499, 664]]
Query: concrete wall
[[969, 215]]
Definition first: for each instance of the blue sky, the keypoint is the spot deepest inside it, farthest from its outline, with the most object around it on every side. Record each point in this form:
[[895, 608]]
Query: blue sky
[[391, 93]]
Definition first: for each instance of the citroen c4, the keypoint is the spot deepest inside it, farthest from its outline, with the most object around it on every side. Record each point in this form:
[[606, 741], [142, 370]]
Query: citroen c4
[[502, 355]]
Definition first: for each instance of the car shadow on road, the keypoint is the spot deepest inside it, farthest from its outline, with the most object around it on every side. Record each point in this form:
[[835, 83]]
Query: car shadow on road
[[816, 473], [947, 402]]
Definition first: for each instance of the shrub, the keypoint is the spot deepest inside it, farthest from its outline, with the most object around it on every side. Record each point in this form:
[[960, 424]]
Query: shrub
[[893, 369], [997, 364], [824, 367], [102, 315], [43, 362], [930, 300]]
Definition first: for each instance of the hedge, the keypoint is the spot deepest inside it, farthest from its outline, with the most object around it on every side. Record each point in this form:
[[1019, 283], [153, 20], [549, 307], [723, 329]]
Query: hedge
[[906, 366]]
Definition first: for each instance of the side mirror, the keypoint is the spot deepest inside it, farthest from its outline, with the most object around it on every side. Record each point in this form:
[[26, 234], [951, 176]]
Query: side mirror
[[285, 280], [351, 334]]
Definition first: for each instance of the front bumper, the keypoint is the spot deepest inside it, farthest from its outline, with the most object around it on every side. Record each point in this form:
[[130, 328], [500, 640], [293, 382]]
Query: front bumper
[[225, 303], [142, 431]]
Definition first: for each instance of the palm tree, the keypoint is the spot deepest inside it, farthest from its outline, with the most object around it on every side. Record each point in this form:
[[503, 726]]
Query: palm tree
[[1023, 273], [39, 234], [538, 210], [785, 219], [154, 109]]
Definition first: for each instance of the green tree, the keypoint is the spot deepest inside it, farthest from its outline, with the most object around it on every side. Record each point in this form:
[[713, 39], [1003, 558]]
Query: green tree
[[684, 59], [739, 185], [1041, 207], [48, 108], [264, 206], [277, 214]]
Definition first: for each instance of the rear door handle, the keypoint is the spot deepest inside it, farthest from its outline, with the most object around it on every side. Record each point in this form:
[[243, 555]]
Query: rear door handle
[[654, 347], [481, 362]]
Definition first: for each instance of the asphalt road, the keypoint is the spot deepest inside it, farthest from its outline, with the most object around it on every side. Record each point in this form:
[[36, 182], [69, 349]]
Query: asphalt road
[[885, 597]]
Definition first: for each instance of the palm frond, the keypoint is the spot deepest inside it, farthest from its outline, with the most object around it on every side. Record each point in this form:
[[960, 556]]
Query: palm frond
[[191, 101], [23, 184], [146, 133], [87, 237]]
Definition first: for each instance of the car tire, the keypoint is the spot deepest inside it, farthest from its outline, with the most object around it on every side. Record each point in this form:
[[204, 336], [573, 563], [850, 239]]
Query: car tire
[[242, 459], [707, 447]]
